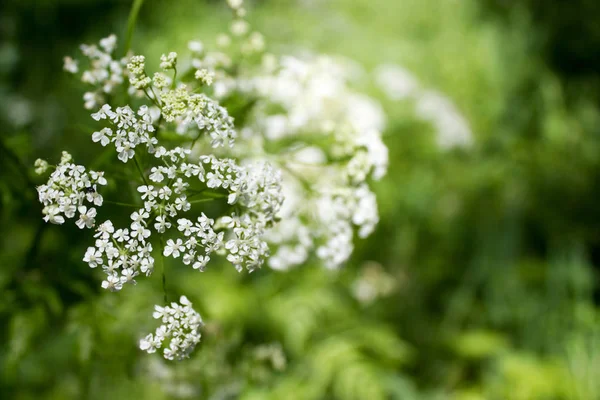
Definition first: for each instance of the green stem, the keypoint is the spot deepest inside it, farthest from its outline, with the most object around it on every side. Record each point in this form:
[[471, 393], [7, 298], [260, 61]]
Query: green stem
[[174, 78], [162, 265], [117, 203], [133, 14], [200, 201], [137, 164], [154, 99], [195, 140]]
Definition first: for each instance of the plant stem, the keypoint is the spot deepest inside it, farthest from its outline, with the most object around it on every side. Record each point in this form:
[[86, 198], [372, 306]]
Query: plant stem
[[133, 14], [137, 164], [162, 264], [201, 201], [121, 204]]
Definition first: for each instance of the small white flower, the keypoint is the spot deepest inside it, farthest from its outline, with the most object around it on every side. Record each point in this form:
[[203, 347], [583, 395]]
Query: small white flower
[[102, 136], [40, 166], [112, 283], [168, 61], [173, 248], [93, 257], [70, 65], [86, 217]]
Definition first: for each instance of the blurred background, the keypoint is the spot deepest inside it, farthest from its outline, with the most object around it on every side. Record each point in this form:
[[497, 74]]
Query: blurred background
[[480, 281]]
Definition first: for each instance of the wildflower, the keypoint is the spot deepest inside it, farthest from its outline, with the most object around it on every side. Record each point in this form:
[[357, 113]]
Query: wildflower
[[68, 188], [70, 65], [173, 248], [86, 217], [179, 332], [168, 61], [40, 166], [204, 76]]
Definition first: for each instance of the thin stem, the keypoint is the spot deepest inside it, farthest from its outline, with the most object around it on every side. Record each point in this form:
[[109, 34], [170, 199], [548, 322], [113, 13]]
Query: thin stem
[[162, 265], [133, 14], [137, 164], [174, 78], [152, 99], [117, 203], [200, 201]]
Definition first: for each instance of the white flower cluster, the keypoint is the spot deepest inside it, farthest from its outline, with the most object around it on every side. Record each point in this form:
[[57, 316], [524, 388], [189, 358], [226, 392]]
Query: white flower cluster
[[452, 128], [179, 332], [67, 190], [187, 110], [123, 253], [297, 178], [331, 142], [197, 235], [256, 188], [182, 107], [104, 73], [129, 130]]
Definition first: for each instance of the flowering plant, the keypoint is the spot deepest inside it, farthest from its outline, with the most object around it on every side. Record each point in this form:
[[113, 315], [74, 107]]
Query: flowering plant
[[238, 153]]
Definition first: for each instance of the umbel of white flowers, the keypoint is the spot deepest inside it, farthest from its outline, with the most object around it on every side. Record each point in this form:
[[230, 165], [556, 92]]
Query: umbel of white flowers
[[293, 178], [179, 332]]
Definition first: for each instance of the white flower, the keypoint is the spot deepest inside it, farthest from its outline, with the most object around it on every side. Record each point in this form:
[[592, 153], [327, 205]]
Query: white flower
[[112, 283], [148, 192], [52, 215], [86, 217], [70, 65], [102, 136], [173, 248], [93, 257], [205, 76], [40, 166], [168, 61]]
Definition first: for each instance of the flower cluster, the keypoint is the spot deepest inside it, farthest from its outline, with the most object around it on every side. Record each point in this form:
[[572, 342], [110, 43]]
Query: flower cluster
[[196, 110], [326, 138], [200, 241], [122, 253], [295, 179], [104, 73], [179, 332], [129, 130], [180, 105], [67, 190], [255, 188]]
